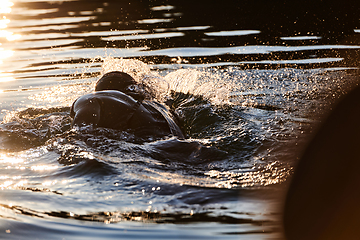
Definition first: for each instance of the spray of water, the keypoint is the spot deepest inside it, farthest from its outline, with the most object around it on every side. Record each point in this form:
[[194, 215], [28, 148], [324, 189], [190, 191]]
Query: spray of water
[[204, 83], [141, 72]]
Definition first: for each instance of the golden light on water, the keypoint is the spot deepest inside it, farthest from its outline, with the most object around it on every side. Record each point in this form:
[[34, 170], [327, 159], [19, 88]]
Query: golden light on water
[[11, 183], [18, 163], [43, 167], [6, 184], [62, 94], [4, 22], [5, 34], [7, 181], [49, 183], [5, 77], [4, 54], [10, 36], [6, 159], [21, 183], [262, 175], [5, 6]]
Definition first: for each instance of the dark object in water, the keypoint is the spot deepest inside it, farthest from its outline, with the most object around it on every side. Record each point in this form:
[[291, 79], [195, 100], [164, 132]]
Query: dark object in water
[[122, 82], [324, 195], [117, 109]]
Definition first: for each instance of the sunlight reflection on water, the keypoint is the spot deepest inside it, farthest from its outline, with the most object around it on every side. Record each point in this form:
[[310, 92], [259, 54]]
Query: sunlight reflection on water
[[5, 8], [233, 33], [12, 160]]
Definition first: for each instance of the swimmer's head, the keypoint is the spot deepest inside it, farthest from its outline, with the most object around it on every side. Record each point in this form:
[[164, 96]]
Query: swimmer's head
[[122, 82]]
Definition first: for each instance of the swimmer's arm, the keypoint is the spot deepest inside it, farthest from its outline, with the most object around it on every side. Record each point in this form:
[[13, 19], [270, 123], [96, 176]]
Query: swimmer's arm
[[85, 112]]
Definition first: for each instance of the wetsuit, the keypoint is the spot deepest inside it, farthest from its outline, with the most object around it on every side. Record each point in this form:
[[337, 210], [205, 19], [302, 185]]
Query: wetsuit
[[117, 110]]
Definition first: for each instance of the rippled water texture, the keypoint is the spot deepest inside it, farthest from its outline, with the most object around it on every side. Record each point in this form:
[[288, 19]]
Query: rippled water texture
[[248, 79]]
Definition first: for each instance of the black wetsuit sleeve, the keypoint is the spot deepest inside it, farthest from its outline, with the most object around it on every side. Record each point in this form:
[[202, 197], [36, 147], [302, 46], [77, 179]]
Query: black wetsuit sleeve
[[163, 115], [85, 111]]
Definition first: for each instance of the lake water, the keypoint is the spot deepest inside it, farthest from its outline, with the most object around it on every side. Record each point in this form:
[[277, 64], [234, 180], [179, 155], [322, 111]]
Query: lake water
[[251, 79]]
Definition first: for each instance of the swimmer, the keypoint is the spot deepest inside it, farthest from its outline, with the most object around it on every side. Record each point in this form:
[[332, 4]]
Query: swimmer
[[118, 103]]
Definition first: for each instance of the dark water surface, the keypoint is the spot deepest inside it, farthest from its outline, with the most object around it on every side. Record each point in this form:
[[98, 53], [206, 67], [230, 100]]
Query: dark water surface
[[251, 79]]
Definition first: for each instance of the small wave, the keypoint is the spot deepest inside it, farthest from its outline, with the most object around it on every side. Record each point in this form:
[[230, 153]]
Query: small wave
[[142, 216], [32, 127]]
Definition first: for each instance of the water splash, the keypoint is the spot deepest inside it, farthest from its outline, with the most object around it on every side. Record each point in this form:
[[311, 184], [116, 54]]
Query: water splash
[[31, 127], [198, 82], [141, 72], [212, 85], [63, 95], [207, 84]]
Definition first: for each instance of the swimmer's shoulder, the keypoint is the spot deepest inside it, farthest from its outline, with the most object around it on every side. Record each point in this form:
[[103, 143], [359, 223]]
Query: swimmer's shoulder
[[110, 93]]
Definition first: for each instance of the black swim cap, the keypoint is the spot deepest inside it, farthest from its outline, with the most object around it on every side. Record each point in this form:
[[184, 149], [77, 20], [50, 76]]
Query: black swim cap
[[122, 82], [115, 81]]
